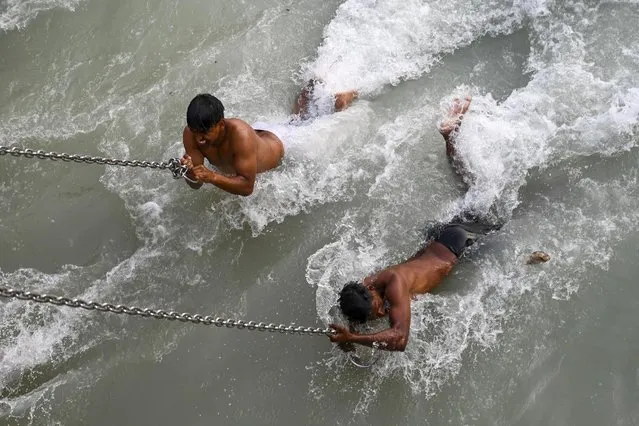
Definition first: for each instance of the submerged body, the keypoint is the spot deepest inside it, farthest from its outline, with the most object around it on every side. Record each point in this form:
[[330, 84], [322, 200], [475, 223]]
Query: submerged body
[[390, 291], [393, 289], [237, 150]]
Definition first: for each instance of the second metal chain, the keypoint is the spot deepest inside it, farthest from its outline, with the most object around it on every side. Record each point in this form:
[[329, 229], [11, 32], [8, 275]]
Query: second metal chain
[[160, 314], [173, 164], [179, 171]]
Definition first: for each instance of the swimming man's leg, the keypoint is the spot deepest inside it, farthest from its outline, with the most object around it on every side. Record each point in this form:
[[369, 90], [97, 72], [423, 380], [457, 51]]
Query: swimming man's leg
[[301, 108], [450, 125]]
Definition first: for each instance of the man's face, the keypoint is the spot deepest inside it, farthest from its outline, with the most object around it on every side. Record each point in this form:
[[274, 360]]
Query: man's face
[[378, 310], [210, 137]]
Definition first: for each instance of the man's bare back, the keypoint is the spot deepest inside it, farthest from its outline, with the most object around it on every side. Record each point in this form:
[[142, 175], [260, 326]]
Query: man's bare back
[[390, 291], [237, 150], [426, 269]]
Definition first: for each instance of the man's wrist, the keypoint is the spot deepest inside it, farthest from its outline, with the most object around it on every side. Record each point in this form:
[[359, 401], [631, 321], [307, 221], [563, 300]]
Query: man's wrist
[[352, 337], [213, 178]]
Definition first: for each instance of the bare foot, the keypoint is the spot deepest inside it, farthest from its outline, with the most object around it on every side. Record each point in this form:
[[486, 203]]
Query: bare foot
[[344, 99], [455, 116]]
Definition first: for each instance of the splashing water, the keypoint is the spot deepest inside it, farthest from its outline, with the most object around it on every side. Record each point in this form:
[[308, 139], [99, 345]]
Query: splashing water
[[16, 14], [556, 157]]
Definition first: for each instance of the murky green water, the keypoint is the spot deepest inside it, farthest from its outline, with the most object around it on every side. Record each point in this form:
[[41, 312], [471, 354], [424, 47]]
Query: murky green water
[[551, 137]]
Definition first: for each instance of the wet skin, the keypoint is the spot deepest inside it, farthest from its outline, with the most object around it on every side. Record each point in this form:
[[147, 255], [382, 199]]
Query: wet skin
[[398, 284], [240, 152]]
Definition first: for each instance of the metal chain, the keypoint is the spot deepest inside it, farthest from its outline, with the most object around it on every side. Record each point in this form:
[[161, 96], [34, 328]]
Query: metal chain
[[179, 171], [160, 314], [173, 164]]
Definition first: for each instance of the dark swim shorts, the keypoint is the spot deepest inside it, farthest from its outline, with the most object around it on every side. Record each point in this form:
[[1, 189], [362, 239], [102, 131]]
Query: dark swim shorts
[[457, 236]]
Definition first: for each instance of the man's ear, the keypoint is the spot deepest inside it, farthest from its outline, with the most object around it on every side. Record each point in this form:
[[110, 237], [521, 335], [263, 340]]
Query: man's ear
[[381, 310]]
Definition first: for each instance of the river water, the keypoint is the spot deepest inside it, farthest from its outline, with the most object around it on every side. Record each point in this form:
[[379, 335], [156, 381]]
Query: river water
[[551, 138]]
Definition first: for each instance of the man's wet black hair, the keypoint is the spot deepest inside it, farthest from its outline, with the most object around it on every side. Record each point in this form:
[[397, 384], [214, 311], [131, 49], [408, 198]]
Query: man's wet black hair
[[356, 302], [204, 112]]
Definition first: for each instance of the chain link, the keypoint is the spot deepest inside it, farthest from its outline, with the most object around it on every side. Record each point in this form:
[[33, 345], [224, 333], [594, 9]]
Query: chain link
[[173, 164], [161, 314], [179, 171]]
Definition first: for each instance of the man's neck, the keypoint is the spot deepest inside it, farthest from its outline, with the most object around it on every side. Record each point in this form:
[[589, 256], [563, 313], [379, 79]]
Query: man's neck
[[224, 130]]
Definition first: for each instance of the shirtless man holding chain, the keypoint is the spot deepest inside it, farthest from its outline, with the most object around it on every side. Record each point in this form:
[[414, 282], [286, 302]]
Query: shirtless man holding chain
[[389, 292], [236, 149]]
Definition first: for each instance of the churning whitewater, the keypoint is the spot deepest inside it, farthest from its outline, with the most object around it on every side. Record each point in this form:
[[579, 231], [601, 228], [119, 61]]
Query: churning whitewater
[[550, 139]]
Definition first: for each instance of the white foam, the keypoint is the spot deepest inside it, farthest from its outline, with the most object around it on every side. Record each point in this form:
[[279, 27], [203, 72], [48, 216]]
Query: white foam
[[321, 167], [501, 143], [567, 110], [38, 334], [16, 14], [27, 343], [370, 44], [444, 327]]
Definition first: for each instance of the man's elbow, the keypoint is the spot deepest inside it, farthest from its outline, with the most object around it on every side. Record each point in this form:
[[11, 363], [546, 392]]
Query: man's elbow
[[401, 344], [247, 190]]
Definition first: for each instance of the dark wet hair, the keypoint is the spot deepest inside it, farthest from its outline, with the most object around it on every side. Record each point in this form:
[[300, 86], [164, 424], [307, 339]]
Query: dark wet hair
[[356, 302], [204, 112]]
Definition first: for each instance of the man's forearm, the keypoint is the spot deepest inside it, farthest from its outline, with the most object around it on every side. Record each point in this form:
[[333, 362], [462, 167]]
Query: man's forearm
[[237, 185], [390, 339]]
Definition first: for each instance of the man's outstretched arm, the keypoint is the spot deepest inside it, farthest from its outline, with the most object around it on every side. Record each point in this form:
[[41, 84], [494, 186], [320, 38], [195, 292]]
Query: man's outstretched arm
[[394, 338], [391, 339]]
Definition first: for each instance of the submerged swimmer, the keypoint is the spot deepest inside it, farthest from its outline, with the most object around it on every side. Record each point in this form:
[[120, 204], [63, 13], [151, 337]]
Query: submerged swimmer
[[236, 149], [390, 291]]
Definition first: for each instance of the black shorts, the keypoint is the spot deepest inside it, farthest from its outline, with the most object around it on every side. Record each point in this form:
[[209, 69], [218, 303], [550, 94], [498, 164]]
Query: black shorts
[[457, 236]]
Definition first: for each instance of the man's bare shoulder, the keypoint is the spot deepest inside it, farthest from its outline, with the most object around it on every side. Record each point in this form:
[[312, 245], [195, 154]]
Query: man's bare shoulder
[[396, 287], [240, 127], [242, 138], [383, 278], [241, 132]]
